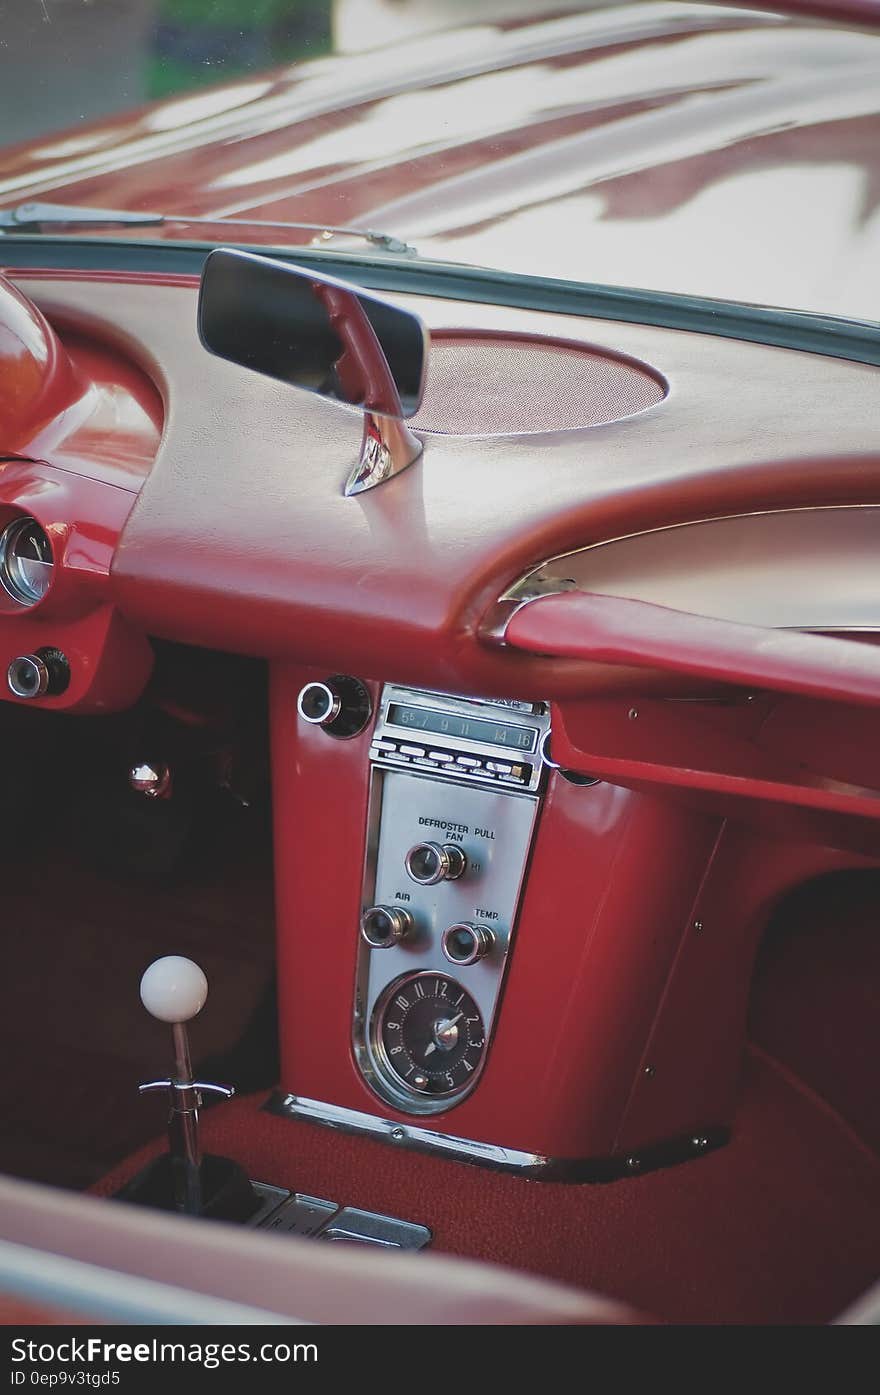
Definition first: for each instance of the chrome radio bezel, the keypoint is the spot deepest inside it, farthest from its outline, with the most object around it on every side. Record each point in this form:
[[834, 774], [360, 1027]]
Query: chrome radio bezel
[[481, 762]]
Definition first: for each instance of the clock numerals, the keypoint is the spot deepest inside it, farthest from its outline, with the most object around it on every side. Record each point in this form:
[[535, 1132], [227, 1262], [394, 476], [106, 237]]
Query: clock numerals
[[428, 1036]]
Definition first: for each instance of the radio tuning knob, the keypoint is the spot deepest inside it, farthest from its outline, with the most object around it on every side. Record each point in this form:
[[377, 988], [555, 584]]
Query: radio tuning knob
[[465, 943], [318, 704], [429, 863], [341, 705], [385, 926]]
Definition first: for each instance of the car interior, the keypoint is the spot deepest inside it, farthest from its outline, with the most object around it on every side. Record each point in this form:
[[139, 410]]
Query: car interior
[[442, 796]]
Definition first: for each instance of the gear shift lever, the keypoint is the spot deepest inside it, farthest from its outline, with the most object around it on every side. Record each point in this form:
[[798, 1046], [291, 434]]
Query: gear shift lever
[[174, 990]]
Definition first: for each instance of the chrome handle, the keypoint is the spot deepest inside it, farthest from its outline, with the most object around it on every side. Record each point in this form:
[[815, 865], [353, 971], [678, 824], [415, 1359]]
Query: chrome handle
[[225, 1091]]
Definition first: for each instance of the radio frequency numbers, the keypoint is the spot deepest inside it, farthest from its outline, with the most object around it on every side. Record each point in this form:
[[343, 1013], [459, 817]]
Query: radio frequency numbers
[[519, 738]]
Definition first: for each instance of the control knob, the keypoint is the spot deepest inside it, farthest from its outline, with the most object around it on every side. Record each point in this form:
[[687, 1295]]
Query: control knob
[[44, 673], [385, 926], [466, 943], [340, 705], [429, 863]]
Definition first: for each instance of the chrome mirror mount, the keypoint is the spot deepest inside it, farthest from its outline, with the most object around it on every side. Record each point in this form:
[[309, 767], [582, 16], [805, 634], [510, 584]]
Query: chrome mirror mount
[[324, 336], [388, 446]]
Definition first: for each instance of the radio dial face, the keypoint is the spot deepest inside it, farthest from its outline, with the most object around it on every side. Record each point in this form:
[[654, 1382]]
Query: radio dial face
[[428, 1035]]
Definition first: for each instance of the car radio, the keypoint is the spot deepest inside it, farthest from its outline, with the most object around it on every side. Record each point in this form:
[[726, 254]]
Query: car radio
[[487, 740]]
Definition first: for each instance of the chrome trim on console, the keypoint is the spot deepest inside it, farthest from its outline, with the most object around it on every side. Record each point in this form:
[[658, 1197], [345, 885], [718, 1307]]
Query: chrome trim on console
[[404, 1135], [610, 1169]]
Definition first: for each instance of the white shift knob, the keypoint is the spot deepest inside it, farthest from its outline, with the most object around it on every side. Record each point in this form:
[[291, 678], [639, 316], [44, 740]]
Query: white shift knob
[[174, 989]]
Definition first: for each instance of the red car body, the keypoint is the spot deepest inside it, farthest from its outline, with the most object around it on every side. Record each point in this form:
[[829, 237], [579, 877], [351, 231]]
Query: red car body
[[679, 147]]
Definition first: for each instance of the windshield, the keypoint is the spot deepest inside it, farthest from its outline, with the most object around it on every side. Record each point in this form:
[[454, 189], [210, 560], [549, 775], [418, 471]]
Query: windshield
[[687, 148]]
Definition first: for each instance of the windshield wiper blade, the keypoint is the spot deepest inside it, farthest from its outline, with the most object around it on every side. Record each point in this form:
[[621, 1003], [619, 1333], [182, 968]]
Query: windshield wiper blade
[[31, 217]]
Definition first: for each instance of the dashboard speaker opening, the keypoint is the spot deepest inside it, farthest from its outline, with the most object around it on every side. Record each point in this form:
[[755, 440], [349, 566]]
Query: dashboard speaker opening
[[513, 385]]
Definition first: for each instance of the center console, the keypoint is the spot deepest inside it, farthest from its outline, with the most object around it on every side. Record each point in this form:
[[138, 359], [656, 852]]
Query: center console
[[456, 915]]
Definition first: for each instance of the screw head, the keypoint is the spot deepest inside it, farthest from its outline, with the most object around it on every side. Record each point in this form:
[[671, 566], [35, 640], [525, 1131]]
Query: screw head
[[633, 713], [699, 1143], [650, 1071], [398, 1135], [698, 927], [633, 1163]]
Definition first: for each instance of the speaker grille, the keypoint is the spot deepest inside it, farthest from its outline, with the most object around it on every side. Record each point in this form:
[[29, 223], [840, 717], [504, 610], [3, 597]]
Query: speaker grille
[[500, 385]]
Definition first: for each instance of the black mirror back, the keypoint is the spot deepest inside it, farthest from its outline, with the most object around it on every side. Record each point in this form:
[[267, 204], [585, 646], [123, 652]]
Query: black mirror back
[[312, 331]]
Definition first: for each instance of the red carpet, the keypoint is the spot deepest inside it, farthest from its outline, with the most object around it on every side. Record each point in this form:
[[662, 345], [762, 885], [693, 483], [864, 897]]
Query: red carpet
[[782, 1226]]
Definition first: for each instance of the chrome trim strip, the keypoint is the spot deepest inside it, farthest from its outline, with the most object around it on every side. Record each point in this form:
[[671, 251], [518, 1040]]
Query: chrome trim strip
[[334, 1116], [511, 591], [684, 1148], [548, 578]]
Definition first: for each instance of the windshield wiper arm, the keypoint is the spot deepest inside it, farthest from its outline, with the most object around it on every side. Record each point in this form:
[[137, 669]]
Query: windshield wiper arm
[[31, 217]]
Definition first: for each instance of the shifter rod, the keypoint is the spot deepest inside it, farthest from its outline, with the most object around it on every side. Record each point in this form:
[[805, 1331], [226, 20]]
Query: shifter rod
[[174, 990]]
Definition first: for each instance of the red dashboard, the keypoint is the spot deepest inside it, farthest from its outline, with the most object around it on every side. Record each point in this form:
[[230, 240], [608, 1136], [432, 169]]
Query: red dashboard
[[190, 501]]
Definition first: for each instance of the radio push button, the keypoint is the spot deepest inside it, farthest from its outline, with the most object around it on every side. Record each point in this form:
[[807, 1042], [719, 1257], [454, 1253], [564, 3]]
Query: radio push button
[[385, 926], [429, 863]]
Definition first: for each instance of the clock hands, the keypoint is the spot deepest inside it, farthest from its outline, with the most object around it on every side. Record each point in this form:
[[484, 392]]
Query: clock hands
[[427, 1036], [442, 1027]]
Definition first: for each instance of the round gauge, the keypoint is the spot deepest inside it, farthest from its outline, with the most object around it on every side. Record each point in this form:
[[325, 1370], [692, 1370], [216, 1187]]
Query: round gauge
[[25, 561], [428, 1035]]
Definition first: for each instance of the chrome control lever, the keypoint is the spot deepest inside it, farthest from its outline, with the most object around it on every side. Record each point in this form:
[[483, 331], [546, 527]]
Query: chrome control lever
[[174, 990]]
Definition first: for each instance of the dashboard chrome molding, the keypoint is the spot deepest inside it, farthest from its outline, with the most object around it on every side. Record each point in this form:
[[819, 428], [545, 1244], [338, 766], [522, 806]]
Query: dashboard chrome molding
[[562, 573], [493, 1155]]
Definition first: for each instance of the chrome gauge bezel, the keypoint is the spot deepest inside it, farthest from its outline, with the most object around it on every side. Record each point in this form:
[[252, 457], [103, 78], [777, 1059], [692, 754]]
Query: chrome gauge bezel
[[391, 1086], [12, 579]]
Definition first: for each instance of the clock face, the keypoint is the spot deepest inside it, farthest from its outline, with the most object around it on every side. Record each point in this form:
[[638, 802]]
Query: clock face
[[428, 1036]]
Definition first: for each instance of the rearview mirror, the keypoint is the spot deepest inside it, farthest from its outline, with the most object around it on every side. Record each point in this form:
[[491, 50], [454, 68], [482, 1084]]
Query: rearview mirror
[[324, 336]]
